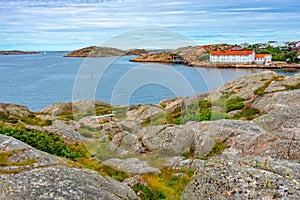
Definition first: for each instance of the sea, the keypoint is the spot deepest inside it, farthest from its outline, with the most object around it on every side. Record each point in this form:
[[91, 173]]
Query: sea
[[39, 80]]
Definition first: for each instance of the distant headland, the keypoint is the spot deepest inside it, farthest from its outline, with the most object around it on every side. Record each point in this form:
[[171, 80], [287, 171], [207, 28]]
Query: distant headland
[[17, 52]]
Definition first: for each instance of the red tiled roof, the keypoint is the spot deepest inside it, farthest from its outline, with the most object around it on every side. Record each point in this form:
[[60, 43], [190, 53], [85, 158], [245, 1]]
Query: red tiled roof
[[229, 53], [205, 47], [261, 55]]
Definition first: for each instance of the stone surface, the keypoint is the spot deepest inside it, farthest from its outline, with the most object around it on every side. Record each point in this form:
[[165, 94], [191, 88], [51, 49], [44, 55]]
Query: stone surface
[[235, 133], [273, 101], [49, 178], [143, 112], [244, 86], [79, 106], [126, 143], [184, 164], [24, 152], [167, 138], [14, 109], [131, 166], [66, 132], [62, 182], [225, 177]]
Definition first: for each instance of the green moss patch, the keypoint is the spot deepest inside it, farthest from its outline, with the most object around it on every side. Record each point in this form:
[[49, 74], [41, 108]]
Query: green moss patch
[[236, 103], [247, 113]]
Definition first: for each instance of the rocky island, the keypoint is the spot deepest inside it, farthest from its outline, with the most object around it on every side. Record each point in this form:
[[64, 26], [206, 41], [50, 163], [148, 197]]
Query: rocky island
[[16, 52], [94, 51], [239, 141]]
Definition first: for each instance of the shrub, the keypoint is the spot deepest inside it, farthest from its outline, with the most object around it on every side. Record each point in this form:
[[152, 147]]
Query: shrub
[[50, 143]]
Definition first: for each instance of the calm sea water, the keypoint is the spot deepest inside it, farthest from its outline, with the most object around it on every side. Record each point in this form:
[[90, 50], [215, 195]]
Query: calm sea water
[[38, 81]]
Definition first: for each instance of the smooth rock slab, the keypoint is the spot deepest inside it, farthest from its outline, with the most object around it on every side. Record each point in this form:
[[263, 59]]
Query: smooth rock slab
[[131, 166]]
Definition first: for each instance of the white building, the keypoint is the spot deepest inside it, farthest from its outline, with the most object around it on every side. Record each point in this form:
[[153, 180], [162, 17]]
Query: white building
[[239, 57], [263, 59], [242, 57]]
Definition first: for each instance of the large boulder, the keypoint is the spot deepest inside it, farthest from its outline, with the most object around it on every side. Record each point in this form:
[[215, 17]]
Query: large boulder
[[126, 143], [66, 132], [225, 177], [33, 174], [167, 138], [14, 110], [235, 133], [131, 166]]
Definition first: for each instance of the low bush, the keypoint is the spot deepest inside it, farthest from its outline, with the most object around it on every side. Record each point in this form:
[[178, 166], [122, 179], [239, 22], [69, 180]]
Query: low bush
[[50, 143]]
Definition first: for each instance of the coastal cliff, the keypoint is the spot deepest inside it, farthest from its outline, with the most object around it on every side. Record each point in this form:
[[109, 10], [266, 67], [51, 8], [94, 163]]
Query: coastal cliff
[[239, 141]]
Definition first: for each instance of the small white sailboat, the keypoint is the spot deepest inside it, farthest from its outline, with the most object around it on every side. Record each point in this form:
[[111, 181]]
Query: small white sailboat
[[44, 53]]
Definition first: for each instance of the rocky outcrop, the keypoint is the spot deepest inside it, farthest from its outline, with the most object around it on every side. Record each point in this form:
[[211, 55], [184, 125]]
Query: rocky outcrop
[[131, 166], [126, 143], [14, 110], [22, 152], [66, 132], [277, 100], [32, 174], [190, 55], [167, 138], [75, 107], [62, 182], [225, 177], [244, 86], [141, 113]]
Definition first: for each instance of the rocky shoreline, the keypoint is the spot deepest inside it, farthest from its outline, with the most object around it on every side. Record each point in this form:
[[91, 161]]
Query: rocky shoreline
[[239, 141]]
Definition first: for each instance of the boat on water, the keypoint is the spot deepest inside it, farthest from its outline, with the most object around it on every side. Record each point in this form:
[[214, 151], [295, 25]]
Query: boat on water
[[44, 53]]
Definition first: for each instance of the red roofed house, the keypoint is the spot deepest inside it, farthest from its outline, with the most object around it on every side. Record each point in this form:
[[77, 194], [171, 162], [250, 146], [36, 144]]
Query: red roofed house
[[239, 57], [242, 57], [263, 58]]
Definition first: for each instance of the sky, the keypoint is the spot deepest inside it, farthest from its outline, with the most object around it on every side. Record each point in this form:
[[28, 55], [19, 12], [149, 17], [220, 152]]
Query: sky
[[72, 24]]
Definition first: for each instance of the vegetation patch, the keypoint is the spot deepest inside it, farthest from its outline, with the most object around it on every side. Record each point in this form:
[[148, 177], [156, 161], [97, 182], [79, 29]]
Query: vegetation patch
[[158, 119], [4, 156], [218, 148], [100, 168], [50, 143], [103, 110], [292, 87], [90, 132], [169, 184], [247, 113], [146, 193], [236, 103]]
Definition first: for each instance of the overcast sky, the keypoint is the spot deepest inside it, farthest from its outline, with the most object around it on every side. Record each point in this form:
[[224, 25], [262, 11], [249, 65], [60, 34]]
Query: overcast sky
[[72, 24]]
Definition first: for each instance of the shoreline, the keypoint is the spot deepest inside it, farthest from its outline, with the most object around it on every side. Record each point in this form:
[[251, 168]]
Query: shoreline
[[210, 65]]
